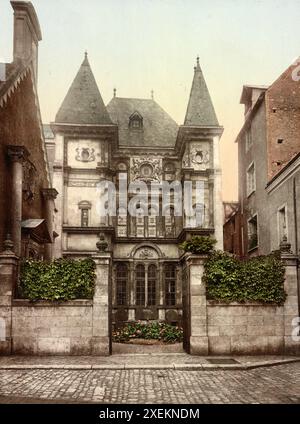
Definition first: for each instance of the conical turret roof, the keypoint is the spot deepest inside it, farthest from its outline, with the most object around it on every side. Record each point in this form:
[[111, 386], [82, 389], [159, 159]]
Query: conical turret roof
[[200, 110], [83, 103]]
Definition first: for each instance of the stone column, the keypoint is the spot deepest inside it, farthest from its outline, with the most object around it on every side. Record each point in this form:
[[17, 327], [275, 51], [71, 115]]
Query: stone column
[[102, 305], [8, 277], [197, 314], [49, 195], [291, 305], [17, 155]]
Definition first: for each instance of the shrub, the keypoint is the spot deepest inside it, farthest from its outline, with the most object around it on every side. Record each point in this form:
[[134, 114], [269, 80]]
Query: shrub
[[63, 279], [199, 245], [258, 279], [150, 330]]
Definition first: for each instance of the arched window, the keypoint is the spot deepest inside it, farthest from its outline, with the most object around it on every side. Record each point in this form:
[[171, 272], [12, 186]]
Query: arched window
[[140, 285], [152, 278], [121, 284], [170, 284]]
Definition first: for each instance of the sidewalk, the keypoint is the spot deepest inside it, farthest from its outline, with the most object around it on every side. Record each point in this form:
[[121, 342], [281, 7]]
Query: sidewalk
[[177, 361]]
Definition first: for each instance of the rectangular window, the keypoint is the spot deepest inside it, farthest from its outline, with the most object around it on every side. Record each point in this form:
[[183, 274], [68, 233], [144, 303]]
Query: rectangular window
[[282, 223], [170, 285], [121, 286], [252, 233], [251, 185], [140, 285], [84, 217], [152, 285], [248, 139]]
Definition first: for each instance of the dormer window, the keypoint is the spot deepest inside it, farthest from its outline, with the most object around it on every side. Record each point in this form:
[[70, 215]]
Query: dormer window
[[136, 121]]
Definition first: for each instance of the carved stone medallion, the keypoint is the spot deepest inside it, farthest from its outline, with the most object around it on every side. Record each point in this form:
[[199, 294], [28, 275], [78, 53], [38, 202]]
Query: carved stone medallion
[[146, 169], [85, 154]]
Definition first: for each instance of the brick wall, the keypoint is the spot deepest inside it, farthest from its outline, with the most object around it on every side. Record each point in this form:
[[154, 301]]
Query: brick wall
[[283, 121]]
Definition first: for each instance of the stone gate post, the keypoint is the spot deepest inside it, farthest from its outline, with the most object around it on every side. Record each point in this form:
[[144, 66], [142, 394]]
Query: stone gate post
[[196, 304], [102, 305], [291, 305], [8, 276]]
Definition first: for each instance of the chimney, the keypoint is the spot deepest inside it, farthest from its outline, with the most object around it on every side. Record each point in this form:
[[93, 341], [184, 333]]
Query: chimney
[[27, 33]]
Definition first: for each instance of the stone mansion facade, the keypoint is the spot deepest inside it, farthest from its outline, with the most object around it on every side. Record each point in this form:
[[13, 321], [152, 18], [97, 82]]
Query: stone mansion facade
[[135, 140]]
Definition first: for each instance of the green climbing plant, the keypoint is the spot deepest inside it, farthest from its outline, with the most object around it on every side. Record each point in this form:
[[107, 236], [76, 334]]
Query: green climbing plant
[[63, 279]]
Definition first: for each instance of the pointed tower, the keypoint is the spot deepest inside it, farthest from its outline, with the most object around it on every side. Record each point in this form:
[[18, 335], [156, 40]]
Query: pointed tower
[[198, 147], [83, 103], [84, 139], [200, 110]]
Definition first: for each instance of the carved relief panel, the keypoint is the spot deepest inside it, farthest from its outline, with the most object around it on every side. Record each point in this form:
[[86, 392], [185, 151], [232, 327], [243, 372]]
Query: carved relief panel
[[84, 153], [146, 169], [198, 156]]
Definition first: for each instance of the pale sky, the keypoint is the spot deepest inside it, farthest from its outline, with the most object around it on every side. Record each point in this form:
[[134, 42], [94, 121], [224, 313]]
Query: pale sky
[[140, 45]]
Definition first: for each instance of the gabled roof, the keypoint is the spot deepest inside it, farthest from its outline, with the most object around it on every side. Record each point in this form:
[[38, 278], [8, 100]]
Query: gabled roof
[[83, 103], [14, 73], [158, 130], [247, 90], [200, 110]]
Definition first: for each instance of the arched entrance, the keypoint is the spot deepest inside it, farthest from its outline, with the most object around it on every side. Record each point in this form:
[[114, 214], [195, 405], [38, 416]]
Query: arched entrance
[[146, 286]]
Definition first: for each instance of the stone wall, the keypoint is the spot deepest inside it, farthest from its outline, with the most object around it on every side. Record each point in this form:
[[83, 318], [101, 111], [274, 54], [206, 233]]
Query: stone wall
[[77, 327], [215, 328], [250, 328], [44, 328]]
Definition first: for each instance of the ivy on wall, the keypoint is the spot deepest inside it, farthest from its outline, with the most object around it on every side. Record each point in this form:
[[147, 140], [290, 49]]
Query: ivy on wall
[[198, 245], [63, 279], [258, 279]]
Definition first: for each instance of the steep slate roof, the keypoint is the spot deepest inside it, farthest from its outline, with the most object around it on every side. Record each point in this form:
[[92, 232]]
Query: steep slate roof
[[200, 110], [83, 103], [159, 129]]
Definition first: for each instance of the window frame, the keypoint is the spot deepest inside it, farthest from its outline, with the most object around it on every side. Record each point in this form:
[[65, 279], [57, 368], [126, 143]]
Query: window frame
[[251, 189], [248, 139], [170, 295], [286, 232], [122, 283], [257, 232]]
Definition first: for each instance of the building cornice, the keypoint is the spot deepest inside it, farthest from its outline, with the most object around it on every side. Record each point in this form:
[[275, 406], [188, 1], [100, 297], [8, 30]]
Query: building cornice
[[287, 172]]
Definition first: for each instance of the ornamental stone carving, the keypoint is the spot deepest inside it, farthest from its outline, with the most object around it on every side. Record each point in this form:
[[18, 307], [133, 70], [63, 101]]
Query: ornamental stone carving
[[145, 253], [146, 169], [199, 156], [29, 181], [85, 154], [196, 156]]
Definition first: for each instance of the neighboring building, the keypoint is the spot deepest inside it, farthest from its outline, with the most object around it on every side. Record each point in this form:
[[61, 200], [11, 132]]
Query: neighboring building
[[231, 232], [134, 139], [26, 196], [268, 150]]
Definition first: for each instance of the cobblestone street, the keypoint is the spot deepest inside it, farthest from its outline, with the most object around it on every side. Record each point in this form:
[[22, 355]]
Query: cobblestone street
[[277, 384]]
